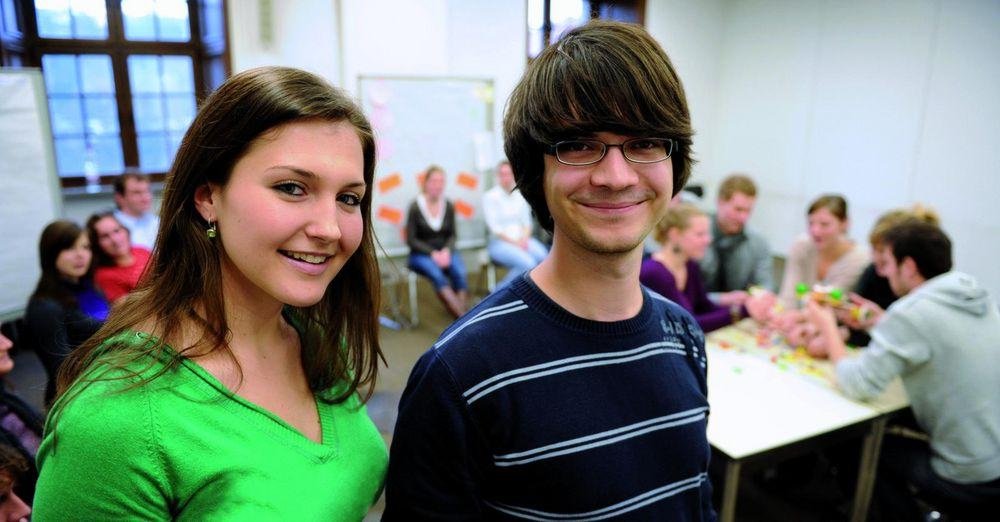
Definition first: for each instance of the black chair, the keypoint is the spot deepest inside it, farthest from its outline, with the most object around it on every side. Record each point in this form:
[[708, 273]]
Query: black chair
[[950, 510]]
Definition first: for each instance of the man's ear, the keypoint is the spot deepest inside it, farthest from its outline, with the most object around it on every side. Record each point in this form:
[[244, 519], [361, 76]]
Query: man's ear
[[908, 268], [204, 201], [119, 199]]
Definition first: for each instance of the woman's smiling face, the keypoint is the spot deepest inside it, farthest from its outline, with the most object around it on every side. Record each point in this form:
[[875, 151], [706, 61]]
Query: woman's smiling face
[[289, 217]]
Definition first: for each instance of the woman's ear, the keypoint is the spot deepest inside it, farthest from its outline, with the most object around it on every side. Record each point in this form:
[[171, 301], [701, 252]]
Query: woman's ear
[[673, 235], [204, 201]]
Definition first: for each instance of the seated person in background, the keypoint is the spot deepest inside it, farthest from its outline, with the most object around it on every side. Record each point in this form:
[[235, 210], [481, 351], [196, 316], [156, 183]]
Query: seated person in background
[[134, 200], [872, 285], [508, 218], [20, 427], [673, 270], [738, 258], [65, 308], [12, 469], [825, 255], [118, 263], [430, 233], [943, 339]]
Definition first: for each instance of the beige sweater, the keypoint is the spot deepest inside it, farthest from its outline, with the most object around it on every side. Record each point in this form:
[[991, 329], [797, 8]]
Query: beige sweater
[[801, 267]]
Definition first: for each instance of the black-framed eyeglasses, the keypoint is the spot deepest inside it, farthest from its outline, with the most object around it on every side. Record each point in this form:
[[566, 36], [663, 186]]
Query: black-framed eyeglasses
[[588, 151]]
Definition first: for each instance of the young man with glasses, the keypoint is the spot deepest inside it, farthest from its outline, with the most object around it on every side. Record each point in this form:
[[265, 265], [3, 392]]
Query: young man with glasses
[[573, 393]]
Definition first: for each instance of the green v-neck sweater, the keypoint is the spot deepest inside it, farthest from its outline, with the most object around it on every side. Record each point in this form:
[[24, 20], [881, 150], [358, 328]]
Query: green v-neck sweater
[[183, 447]]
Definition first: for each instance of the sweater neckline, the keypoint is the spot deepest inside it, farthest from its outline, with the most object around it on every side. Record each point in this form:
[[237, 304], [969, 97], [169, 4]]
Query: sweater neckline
[[535, 298], [267, 420]]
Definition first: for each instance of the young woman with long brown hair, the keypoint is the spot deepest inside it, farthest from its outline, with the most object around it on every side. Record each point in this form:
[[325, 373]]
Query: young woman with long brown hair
[[66, 308], [229, 384]]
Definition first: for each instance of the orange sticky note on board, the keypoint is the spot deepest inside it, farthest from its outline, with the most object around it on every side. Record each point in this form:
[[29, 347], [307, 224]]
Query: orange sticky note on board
[[389, 182], [464, 209], [390, 214], [467, 180]]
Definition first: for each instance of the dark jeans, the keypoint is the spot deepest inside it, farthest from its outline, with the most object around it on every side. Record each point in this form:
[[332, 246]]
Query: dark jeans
[[904, 465]]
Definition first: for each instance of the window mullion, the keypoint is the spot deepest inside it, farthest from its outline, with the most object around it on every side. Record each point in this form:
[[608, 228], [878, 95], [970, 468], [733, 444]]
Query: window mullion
[[116, 31], [123, 89], [126, 121]]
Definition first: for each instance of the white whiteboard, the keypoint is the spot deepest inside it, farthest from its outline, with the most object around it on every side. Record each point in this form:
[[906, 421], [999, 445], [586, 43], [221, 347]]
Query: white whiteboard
[[29, 187], [419, 121]]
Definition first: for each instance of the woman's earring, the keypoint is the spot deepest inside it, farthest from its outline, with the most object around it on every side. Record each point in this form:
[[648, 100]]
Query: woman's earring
[[212, 231], [676, 249]]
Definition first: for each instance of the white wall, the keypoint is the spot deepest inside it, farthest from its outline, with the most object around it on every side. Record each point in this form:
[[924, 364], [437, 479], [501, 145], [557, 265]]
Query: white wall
[[457, 38], [691, 34], [304, 34], [889, 103], [343, 39]]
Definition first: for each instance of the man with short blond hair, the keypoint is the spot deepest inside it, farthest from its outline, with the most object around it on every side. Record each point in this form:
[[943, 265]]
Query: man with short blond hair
[[134, 202], [738, 258]]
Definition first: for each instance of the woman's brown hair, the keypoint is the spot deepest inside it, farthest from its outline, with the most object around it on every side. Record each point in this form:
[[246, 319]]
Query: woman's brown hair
[[183, 282], [835, 203], [101, 258], [57, 236]]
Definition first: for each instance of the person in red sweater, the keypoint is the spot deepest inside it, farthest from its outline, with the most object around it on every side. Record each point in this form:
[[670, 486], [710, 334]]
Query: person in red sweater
[[118, 263]]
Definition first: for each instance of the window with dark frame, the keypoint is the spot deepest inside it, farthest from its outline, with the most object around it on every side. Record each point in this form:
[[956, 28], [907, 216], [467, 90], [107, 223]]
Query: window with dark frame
[[123, 77], [548, 19]]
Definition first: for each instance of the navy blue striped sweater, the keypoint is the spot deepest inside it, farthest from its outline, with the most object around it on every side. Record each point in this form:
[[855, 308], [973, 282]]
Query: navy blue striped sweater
[[523, 411]]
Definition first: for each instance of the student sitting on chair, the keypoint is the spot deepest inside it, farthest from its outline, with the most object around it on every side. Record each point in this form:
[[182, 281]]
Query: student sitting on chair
[[940, 337], [738, 257], [673, 270], [134, 200], [872, 285], [430, 233], [508, 218], [65, 309], [20, 427], [118, 263]]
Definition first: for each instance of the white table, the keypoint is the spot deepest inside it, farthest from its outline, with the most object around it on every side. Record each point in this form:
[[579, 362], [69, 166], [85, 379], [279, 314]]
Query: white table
[[769, 402]]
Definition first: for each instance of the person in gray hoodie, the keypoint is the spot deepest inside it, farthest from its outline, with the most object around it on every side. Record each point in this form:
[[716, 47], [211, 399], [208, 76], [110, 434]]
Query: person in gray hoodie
[[942, 338]]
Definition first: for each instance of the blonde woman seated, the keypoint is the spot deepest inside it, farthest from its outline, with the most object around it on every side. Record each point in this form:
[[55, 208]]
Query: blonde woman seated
[[673, 271], [431, 233]]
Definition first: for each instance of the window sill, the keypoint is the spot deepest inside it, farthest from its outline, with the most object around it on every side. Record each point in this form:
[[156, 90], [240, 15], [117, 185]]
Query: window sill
[[103, 191]]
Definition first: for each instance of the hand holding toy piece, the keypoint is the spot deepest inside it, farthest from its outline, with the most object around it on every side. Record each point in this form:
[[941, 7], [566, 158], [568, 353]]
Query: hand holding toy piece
[[834, 298], [861, 315]]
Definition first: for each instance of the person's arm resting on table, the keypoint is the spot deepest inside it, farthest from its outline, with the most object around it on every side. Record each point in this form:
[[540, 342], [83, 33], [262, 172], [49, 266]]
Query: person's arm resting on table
[[893, 349]]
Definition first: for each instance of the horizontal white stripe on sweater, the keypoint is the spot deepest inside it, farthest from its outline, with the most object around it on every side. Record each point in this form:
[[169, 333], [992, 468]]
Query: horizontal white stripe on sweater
[[568, 364], [506, 308], [614, 510], [603, 438]]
